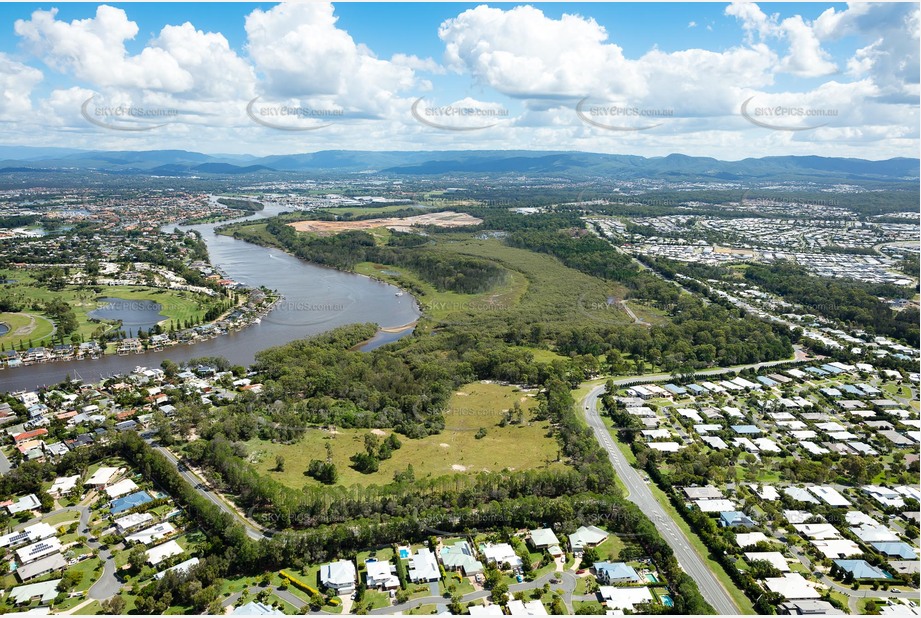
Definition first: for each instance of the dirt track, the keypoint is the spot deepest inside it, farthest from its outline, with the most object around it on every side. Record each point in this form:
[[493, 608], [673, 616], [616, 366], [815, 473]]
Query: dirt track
[[440, 219]]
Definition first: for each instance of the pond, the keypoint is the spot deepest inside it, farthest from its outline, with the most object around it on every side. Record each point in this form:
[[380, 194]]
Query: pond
[[134, 315], [4, 328]]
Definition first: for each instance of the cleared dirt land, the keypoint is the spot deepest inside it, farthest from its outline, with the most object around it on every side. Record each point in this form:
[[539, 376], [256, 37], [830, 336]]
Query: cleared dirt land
[[440, 219]]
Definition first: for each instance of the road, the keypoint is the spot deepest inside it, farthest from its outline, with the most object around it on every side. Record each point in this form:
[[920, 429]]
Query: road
[[640, 494], [200, 485], [636, 320], [5, 466]]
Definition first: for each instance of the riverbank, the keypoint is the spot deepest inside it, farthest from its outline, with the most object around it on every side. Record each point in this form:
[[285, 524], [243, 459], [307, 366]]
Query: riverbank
[[311, 300]]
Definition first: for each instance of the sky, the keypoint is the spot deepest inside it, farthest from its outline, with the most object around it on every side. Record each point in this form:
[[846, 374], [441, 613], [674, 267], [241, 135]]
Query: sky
[[728, 81]]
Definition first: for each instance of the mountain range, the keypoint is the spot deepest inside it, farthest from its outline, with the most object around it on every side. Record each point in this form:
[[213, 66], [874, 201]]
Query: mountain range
[[576, 165]]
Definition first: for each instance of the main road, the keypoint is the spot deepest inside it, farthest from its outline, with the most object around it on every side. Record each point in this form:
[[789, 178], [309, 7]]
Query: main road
[[640, 493], [200, 485]]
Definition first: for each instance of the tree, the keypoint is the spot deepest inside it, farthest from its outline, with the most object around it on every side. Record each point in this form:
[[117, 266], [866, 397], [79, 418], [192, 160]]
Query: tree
[[589, 557], [279, 463], [137, 557], [113, 606], [70, 580], [500, 593]]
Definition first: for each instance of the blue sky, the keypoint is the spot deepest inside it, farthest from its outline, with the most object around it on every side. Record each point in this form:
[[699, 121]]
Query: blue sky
[[637, 78]]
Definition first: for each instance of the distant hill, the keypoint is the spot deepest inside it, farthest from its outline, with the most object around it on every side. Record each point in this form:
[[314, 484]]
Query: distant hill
[[576, 165]]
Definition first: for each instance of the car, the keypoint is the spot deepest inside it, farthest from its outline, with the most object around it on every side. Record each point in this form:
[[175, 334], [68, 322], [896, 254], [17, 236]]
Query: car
[[896, 590]]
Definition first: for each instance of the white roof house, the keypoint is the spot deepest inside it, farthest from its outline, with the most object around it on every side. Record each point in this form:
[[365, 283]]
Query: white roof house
[[837, 548], [381, 574], [63, 485], [501, 553], [122, 524], [423, 567], [544, 538], [25, 503], [156, 555], [102, 476], [821, 532], [30, 534], [715, 506], [586, 536], [624, 598], [180, 568], [829, 495], [747, 539], [149, 535], [775, 558], [792, 586], [33, 552], [121, 488], [44, 591], [526, 608], [339, 575]]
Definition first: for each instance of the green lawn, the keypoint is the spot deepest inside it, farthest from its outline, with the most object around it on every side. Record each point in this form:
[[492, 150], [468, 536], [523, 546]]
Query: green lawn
[[610, 549], [376, 599], [24, 327], [176, 305], [92, 609], [59, 518], [455, 450]]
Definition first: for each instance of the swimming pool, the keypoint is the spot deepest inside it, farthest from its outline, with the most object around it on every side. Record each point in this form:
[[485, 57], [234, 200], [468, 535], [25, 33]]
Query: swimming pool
[[404, 553], [667, 601], [650, 577]]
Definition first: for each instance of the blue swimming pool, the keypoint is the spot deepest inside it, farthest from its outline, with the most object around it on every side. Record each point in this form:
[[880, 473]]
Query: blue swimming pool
[[650, 577], [667, 601]]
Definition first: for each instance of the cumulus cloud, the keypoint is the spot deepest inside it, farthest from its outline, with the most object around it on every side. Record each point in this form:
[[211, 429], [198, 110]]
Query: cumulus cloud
[[891, 57], [805, 57], [524, 54], [180, 61], [300, 52], [17, 81]]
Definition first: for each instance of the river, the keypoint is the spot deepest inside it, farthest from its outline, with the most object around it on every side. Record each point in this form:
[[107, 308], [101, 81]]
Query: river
[[316, 299]]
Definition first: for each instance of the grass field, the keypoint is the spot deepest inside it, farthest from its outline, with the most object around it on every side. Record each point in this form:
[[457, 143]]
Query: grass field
[[24, 326], [357, 211], [176, 305], [455, 450]]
